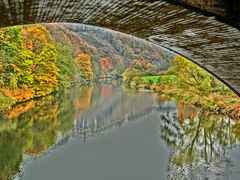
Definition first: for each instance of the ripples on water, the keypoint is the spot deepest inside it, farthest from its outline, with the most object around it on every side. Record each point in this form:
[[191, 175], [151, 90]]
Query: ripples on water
[[196, 144]]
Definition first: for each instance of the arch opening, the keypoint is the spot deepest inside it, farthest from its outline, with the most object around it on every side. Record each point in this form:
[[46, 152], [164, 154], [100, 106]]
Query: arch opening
[[211, 44]]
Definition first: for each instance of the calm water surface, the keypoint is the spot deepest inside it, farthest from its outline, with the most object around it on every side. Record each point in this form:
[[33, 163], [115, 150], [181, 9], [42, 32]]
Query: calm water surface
[[106, 132]]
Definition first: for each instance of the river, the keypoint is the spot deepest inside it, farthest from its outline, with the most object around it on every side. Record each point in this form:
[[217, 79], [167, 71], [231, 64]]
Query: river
[[106, 132]]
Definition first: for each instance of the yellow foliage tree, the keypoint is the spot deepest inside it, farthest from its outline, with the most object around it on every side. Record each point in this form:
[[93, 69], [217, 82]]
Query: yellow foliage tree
[[85, 65], [1, 34], [45, 72]]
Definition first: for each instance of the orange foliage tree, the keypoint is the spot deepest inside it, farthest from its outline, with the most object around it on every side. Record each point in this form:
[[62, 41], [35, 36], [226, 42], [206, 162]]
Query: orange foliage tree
[[35, 38], [105, 63], [18, 94]]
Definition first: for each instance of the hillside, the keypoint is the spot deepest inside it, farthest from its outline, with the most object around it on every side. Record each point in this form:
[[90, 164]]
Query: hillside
[[111, 52], [115, 45]]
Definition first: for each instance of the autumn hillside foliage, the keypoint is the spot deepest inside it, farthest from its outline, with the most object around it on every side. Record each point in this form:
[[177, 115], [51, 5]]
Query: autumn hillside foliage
[[44, 58], [114, 51], [34, 64]]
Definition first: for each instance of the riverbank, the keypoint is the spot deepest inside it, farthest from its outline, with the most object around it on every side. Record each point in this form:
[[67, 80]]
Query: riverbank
[[188, 83], [228, 103], [23, 96]]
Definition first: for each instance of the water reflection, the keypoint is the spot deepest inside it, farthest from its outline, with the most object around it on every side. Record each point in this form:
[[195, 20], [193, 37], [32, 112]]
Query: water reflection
[[198, 140], [30, 129], [111, 108]]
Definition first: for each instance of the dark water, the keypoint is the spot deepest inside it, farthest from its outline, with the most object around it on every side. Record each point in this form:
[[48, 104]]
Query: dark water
[[106, 132]]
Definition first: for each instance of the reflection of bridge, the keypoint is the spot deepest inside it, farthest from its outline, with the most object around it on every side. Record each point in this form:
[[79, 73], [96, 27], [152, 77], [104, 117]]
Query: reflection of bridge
[[82, 128], [205, 40], [116, 109]]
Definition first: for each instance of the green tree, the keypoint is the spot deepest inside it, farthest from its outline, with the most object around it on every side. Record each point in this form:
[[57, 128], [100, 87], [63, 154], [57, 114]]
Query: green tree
[[132, 76], [13, 36], [24, 70], [191, 75], [66, 64]]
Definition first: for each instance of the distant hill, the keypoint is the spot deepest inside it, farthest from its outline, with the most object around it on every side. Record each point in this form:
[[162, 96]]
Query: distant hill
[[121, 47], [69, 38], [111, 51]]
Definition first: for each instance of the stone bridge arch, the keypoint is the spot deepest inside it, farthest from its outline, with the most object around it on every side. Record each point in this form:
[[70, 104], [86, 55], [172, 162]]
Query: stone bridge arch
[[201, 37]]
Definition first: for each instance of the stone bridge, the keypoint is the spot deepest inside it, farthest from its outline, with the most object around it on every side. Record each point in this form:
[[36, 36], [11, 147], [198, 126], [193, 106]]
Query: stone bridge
[[206, 32]]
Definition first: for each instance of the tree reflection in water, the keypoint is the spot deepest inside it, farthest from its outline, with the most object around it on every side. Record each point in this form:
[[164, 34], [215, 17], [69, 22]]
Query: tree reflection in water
[[32, 131], [199, 142]]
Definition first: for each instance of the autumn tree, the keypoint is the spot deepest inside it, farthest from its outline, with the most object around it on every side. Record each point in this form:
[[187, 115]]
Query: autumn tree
[[36, 38], [24, 69], [66, 64], [191, 76], [105, 63], [132, 76], [84, 64], [45, 71]]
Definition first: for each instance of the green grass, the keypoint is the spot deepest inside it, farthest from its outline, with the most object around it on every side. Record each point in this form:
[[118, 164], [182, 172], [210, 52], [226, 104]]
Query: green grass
[[160, 79], [149, 79]]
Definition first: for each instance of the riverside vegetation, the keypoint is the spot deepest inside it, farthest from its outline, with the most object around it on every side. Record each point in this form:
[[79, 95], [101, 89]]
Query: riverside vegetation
[[33, 64], [37, 60], [185, 82]]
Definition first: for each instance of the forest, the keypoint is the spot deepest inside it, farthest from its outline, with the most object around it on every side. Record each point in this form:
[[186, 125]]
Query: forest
[[34, 64]]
